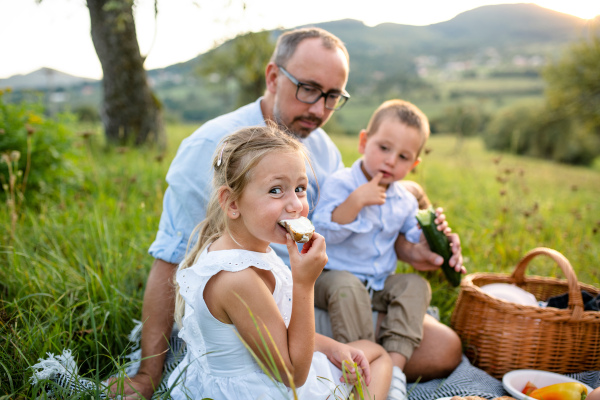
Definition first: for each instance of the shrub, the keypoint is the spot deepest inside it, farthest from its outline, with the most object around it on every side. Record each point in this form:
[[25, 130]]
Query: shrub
[[539, 131], [37, 152], [508, 130]]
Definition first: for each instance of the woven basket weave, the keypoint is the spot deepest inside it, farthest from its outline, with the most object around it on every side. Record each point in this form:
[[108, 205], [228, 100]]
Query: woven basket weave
[[499, 336]]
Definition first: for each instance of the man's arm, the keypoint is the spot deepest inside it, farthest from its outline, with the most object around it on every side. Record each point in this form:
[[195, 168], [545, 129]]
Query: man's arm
[[157, 318]]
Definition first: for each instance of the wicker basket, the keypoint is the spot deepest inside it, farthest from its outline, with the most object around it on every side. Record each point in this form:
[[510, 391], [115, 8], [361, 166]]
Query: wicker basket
[[499, 336]]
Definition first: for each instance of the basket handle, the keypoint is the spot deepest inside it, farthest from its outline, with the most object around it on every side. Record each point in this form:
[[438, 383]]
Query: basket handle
[[575, 299]]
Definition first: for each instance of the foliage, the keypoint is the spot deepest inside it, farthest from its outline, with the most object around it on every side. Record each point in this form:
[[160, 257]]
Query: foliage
[[86, 113], [73, 275], [242, 60], [40, 149], [538, 132], [573, 84], [567, 127], [463, 119]]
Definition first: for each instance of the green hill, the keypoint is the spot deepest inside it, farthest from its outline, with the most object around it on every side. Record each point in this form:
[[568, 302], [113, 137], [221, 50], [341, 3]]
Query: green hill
[[422, 63]]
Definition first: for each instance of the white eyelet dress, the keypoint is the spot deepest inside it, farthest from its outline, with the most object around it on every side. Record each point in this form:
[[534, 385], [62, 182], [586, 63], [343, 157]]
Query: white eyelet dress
[[217, 365]]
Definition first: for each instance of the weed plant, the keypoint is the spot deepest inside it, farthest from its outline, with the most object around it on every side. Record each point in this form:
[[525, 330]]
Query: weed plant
[[73, 274]]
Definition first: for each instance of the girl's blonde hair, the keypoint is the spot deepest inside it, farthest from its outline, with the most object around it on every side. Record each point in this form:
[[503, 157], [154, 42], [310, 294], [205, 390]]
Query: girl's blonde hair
[[233, 162]]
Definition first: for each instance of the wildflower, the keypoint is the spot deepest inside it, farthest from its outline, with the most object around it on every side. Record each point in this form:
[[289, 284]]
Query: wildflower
[[30, 130], [34, 119], [15, 155], [86, 134]]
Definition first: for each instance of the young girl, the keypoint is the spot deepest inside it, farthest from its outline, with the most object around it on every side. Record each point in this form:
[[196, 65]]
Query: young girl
[[232, 278]]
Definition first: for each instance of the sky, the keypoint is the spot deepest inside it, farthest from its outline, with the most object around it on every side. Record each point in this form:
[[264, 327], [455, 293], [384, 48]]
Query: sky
[[56, 33]]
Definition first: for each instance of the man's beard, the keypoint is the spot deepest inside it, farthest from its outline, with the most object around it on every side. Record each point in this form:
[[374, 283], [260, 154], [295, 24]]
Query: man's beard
[[298, 133]]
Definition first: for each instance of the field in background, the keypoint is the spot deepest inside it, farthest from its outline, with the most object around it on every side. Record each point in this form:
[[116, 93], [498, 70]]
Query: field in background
[[74, 270]]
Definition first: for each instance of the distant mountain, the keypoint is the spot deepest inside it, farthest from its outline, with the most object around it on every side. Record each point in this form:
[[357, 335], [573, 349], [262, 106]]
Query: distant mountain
[[390, 49], [509, 29], [43, 78]]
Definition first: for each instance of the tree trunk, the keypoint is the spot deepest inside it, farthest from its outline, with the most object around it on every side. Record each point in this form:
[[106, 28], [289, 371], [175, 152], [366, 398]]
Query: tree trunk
[[130, 112]]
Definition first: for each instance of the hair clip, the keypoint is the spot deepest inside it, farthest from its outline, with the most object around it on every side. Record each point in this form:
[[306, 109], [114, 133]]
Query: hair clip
[[221, 154]]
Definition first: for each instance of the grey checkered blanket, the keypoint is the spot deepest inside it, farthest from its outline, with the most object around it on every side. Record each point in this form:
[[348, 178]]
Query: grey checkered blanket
[[466, 380]]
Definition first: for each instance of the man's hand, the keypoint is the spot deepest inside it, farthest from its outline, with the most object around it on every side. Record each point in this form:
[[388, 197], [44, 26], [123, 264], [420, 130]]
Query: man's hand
[[421, 257], [139, 387]]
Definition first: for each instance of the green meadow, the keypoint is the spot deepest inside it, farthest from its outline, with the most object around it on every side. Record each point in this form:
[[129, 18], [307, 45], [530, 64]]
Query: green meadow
[[73, 268]]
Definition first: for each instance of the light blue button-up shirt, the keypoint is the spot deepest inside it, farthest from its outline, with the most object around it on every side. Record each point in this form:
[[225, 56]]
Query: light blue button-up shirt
[[365, 246], [190, 179]]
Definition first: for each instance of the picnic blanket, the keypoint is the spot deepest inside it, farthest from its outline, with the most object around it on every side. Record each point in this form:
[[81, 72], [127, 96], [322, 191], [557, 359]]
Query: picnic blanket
[[466, 380]]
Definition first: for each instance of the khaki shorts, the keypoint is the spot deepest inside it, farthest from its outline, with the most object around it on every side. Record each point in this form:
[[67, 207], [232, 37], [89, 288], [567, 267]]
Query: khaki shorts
[[404, 299]]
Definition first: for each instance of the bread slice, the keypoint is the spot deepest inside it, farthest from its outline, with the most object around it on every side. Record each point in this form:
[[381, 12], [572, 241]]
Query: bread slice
[[300, 229]]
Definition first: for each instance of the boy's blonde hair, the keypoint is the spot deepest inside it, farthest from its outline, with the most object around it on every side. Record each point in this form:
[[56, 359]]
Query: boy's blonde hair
[[404, 112], [233, 163]]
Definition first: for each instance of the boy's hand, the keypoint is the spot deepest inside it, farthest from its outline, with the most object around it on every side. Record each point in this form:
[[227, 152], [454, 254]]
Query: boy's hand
[[307, 264], [367, 194], [371, 193]]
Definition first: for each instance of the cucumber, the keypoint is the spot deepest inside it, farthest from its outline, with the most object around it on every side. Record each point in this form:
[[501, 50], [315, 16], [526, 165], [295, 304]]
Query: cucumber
[[438, 243]]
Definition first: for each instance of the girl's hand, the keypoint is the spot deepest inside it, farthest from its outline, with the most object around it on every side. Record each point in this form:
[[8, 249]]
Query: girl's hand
[[307, 264], [349, 359]]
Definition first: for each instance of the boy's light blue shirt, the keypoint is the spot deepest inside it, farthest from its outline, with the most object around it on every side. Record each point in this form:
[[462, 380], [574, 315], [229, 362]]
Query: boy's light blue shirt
[[190, 179], [365, 246]]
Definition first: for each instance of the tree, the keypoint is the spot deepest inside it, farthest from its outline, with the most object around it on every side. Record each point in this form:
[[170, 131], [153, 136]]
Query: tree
[[573, 84], [243, 60], [566, 127], [130, 112]]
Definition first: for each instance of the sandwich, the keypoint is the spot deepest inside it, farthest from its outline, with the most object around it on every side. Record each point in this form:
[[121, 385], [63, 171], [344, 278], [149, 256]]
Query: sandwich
[[300, 229]]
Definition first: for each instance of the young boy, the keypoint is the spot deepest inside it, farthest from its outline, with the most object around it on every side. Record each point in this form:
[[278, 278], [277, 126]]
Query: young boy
[[361, 212]]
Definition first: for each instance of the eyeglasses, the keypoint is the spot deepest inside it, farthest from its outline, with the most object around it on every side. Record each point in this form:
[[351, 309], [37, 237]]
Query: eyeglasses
[[309, 94]]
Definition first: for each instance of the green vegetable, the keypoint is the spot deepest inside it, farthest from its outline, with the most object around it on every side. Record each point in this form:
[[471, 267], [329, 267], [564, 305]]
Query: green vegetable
[[438, 243]]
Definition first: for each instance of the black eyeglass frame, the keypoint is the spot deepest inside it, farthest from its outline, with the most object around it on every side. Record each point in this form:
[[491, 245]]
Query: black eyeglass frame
[[344, 96]]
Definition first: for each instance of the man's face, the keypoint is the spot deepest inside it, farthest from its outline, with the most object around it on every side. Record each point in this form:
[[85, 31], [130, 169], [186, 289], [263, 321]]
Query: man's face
[[326, 69]]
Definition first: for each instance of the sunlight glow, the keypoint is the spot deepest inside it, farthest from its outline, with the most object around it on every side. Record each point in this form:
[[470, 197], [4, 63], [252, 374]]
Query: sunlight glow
[[185, 28]]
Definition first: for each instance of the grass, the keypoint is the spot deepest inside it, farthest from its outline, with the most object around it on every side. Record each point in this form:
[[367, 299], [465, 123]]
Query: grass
[[73, 274]]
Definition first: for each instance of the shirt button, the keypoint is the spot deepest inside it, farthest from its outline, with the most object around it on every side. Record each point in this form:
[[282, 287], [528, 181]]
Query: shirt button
[[179, 233]]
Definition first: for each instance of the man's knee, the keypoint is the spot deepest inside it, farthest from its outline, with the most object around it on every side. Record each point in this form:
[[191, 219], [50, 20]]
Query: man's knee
[[439, 353]]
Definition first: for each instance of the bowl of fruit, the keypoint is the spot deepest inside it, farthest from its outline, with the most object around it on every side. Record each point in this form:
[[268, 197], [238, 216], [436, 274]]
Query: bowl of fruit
[[530, 384]]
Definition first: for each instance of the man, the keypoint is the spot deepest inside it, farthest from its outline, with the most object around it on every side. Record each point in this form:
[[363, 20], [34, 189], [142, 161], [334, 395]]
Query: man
[[306, 79]]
